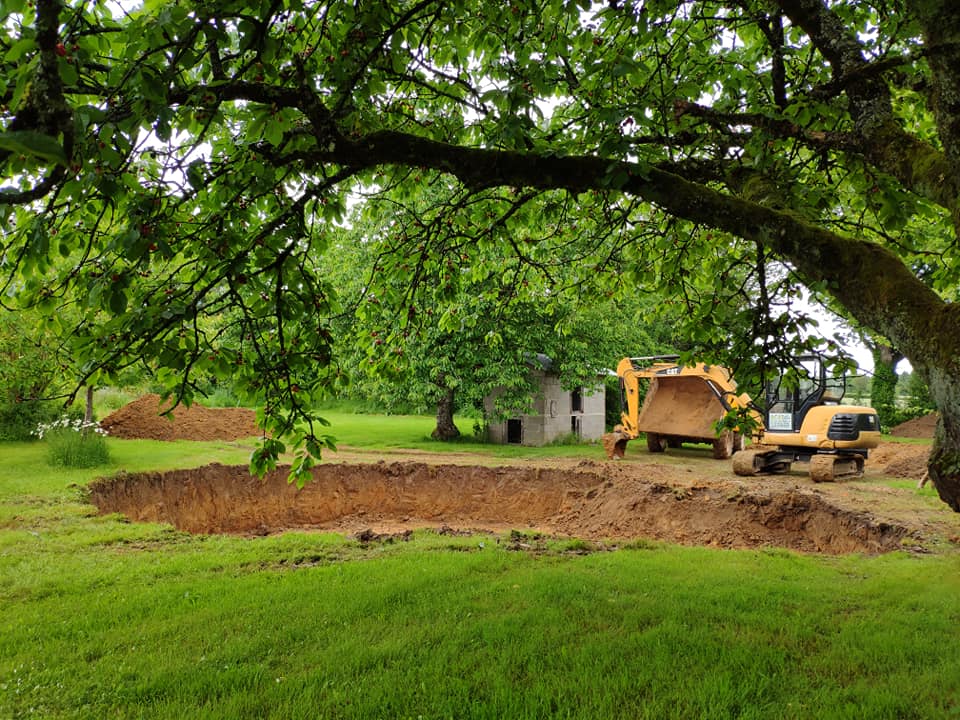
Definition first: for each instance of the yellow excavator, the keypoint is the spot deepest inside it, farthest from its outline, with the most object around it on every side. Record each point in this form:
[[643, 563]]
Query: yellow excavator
[[674, 404], [803, 420]]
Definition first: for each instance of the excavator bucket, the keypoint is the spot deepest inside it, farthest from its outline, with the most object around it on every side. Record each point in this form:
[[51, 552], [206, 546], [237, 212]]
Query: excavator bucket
[[680, 406], [615, 444], [672, 404]]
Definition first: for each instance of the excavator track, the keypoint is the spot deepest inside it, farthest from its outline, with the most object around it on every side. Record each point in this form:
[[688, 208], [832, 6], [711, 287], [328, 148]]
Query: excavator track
[[748, 463], [760, 460], [830, 468]]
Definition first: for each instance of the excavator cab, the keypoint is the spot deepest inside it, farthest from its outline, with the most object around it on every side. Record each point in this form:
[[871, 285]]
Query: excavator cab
[[791, 394], [804, 420]]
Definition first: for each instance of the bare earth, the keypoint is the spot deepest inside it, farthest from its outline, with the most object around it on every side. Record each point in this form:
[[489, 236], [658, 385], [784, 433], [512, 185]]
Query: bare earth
[[682, 496], [141, 419], [921, 427]]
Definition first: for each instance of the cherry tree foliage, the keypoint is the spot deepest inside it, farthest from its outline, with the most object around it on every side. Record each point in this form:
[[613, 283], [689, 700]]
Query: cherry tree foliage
[[175, 171]]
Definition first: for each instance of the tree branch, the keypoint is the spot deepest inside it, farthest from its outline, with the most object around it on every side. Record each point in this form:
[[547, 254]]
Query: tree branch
[[38, 191], [920, 167], [863, 276], [883, 143], [941, 30]]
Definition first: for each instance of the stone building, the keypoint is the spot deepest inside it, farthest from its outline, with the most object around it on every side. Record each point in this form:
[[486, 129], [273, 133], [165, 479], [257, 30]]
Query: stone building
[[555, 413]]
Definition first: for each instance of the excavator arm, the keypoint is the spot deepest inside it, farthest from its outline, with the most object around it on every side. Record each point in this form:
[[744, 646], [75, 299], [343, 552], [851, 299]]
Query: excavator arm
[[681, 403]]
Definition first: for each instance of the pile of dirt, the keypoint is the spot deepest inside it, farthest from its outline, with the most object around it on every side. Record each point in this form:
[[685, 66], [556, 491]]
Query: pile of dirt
[[899, 459], [591, 502], [142, 420], [921, 427]]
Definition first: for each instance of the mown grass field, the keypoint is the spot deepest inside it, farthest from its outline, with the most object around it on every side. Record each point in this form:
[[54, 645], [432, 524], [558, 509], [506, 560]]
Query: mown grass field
[[101, 618]]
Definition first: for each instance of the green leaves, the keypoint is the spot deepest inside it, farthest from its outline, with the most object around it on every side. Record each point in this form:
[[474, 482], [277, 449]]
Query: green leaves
[[20, 48], [248, 195], [264, 458], [33, 144]]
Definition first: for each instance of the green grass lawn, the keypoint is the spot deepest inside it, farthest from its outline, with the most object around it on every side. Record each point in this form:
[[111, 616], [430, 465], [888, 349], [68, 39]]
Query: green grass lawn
[[101, 618], [413, 432]]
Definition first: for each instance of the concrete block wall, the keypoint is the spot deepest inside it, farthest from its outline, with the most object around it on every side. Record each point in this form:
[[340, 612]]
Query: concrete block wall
[[553, 415]]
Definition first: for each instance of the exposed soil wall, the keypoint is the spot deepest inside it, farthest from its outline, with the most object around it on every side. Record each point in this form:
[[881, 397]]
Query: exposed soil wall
[[696, 502], [598, 501]]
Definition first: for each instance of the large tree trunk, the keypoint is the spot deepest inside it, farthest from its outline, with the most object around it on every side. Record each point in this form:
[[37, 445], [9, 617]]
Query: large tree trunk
[[944, 464], [446, 429], [941, 27]]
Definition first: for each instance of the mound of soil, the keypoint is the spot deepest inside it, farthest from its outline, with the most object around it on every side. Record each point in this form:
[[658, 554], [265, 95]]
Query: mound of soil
[[142, 420], [921, 427], [900, 459], [592, 501]]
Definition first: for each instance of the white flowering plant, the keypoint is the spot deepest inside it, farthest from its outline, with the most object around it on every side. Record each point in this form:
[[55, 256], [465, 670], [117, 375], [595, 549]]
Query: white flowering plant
[[74, 442], [77, 425]]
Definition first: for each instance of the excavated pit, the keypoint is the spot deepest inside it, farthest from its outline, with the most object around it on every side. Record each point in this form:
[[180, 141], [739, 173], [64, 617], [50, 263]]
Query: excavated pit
[[595, 503]]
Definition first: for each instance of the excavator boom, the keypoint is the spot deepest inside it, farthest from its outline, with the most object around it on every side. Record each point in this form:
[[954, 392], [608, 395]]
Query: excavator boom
[[672, 404]]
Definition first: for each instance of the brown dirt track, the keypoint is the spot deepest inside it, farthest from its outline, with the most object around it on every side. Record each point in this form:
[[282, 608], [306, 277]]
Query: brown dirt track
[[682, 496]]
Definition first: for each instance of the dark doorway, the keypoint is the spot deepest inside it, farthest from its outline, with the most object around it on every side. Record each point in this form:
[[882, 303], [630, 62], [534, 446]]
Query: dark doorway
[[515, 431], [576, 400]]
